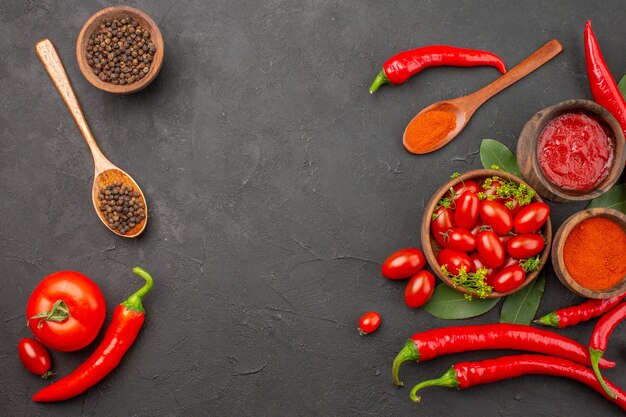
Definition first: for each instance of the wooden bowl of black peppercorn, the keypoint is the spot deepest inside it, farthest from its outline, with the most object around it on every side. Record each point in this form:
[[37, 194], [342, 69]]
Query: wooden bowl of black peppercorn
[[120, 50]]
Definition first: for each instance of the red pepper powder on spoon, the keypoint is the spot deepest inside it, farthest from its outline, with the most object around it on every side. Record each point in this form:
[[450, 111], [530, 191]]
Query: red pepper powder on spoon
[[594, 252]]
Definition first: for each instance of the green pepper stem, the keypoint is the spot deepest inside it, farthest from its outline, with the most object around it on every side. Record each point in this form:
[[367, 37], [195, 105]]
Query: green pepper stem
[[134, 301], [550, 319], [448, 380], [380, 79], [596, 354], [408, 352]]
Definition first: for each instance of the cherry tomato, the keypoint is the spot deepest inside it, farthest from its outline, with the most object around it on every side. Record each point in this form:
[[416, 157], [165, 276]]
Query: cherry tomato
[[478, 228], [478, 263], [532, 217], [513, 206], [525, 246], [419, 289], [497, 216], [505, 239], [79, 313], [403, 263], [468, 185], [34, 356], [443, 221], [460, 239], [509, 278], [508, 261], [369, 323], [493, 188], [490, 248], [454, 260], [466, 213]]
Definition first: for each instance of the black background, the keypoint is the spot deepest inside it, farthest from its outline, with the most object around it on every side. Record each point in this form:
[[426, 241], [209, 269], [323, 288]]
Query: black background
[[276, 186]]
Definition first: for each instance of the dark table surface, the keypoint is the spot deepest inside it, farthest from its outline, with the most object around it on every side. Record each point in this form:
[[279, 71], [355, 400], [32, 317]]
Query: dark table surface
[[276, 186]]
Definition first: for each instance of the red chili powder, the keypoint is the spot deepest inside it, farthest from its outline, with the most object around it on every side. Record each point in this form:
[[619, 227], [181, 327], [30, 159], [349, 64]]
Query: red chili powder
[[575, 151], [428, 130], [594, 253]]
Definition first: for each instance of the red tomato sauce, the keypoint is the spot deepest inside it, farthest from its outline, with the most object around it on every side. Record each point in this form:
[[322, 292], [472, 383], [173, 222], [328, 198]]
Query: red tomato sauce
[[575, 151]]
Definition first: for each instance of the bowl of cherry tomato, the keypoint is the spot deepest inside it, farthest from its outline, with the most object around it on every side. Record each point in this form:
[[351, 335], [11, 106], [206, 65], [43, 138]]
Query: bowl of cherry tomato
[[486, 233]]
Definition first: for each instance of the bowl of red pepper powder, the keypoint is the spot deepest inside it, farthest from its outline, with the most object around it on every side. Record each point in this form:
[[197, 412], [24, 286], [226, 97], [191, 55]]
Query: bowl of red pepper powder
[[589, 251]]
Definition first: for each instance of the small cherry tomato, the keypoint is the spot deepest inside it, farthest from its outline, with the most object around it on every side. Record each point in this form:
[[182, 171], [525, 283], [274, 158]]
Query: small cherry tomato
[[490, 248], [513, 206], [460, 239], [369, 323], [492, 189], [454, 260], [508, 261], [468, 185], [419, 289], [466, 213], [34, 357], [442, 222], [478, 263], [497, 216], [66, 311], [403, 263], [479, 227], [509, 278], [532, 217], [505, 239], [525, 246]]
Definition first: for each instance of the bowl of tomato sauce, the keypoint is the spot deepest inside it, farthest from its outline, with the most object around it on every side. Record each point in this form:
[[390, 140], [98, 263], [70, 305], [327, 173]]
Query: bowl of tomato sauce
[[571, 151]]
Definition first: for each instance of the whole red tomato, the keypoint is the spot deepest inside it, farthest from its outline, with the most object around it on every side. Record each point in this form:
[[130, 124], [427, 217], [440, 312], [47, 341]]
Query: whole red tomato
[[509, 278], [466, 212], [419, 289], [368, 323], [490, 248], [403, 263], [468, 185], [497, 216], [443, 220], [454, 260], [460, 239], [532, 217], [66, 311], [34, 356], [525, 246]]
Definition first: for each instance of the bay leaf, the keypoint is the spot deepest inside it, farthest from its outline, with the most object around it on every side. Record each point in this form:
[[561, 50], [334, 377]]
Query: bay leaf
[[615, 198], [521, 307], [493, 152], [622, 86], [448, 304]]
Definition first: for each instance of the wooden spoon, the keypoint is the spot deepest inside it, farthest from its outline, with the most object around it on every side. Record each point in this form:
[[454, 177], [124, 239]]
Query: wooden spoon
[[462, 108], [105, 172]]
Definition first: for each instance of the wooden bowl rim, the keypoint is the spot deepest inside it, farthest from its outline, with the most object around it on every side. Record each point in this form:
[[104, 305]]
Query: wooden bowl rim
[[427, 245], [558, 261], [111, 12], [544, 116]]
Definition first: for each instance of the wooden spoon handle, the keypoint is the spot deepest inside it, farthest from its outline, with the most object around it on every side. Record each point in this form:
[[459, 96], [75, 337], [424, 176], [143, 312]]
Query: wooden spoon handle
[[534, 61], [52, 63]]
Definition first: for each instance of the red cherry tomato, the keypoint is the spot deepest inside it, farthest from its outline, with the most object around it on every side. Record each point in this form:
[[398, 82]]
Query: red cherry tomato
[[454, 260], [468, 185], [525, 246], [478, 228], [369, 323], [443, 221], [508, 261], [532, 217], [509, 278], [497, 216], [403, 263], [85, 307], [460, 239], [478, 263], [505, 239], [466, 213], [419, 289], [493, 188], [490, 248], [34, 356], [513, 206]]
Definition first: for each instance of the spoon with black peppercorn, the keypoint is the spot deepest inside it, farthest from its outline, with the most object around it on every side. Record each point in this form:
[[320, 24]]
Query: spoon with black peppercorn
[[117, 198]]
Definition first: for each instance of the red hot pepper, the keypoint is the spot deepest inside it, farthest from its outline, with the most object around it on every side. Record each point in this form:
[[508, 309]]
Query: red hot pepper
[[603, 86], [571, 316], [399, 68], [468, 374], [127, 320], [444, 341], [600, 340]]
